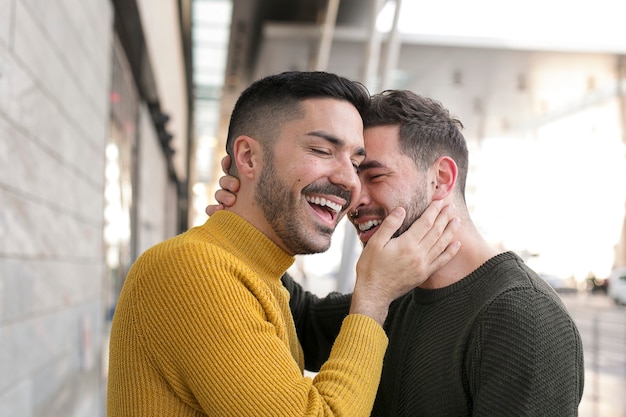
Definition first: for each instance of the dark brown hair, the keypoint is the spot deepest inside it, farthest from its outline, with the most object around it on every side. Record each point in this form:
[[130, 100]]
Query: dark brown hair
[[427, 130], [268, 103]]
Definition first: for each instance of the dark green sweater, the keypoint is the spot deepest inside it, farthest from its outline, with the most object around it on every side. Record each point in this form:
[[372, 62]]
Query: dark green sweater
[[497, 343]]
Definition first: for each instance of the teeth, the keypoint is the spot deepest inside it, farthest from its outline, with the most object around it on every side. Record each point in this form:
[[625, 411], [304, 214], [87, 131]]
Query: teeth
[[369, 224], [320, 201]]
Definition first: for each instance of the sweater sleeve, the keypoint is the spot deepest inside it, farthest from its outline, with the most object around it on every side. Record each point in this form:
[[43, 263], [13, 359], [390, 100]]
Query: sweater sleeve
[[526, 358], [214, 335], [317, 320]]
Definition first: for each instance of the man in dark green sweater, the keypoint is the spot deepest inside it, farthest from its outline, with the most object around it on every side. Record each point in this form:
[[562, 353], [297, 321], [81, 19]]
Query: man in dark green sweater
[[484, 335]]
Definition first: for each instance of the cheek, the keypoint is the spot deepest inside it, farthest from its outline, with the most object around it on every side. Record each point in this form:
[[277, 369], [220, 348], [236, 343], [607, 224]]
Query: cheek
[[392, 196], [381, 195], [305, 167], [294, 173]]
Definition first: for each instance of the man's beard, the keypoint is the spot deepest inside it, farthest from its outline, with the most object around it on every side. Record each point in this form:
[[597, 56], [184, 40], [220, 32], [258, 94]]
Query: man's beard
[[414, 210], [415, 207], [282, 210]]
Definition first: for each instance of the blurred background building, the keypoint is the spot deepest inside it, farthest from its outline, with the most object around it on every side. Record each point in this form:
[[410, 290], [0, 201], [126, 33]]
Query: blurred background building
[[113, 118]]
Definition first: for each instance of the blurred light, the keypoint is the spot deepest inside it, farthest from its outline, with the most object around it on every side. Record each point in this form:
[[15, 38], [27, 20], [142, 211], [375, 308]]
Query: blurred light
[[112, 152], [199, 188], [384, 20]]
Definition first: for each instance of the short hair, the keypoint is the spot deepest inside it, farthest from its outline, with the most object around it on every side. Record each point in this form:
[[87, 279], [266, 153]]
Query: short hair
[[427, 131], [268, 103]]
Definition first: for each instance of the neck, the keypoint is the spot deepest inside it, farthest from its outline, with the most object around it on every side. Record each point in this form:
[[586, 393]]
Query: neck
[[474, 252], [249, 210]]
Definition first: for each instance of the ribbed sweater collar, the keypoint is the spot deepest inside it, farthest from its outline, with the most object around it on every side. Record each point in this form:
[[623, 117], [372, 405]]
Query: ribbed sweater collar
[[247, 243]]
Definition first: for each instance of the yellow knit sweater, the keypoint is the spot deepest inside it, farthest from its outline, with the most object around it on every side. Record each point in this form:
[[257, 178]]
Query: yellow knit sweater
[[203, 328]]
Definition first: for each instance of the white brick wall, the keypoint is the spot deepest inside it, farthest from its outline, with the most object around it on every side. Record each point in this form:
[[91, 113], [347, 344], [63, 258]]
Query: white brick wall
[[54, 112], [156, 204]]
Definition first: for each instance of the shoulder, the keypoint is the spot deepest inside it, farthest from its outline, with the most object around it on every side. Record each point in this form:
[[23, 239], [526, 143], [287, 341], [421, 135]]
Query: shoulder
[[187, 271], [517, 292], [533, 305], [527, 319], [515, 298], [188, 255], [506, 281]]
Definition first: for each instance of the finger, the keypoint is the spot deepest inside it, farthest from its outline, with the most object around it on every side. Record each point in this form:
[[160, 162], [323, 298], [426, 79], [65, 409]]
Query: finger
[[445, 248], [226, 161], [436, 216], [213, 208], [440, 234], [229, 183], [434, 238], [225, 198], [388, 227]]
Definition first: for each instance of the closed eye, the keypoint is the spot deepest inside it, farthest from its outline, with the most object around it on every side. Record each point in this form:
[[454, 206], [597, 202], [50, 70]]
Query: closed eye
[[320, 151], [356, 163], [373, 178]]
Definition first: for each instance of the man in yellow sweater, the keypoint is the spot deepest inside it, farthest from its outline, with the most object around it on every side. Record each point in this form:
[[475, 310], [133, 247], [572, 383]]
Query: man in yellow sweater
[[203, 327]]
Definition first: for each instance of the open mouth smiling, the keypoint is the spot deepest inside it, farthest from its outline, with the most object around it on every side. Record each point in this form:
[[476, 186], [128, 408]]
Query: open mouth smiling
[[325, 205], [364, 227], [366, 223]]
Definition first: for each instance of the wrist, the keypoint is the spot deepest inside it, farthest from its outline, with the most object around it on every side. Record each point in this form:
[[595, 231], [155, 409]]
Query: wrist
[[372, 308]]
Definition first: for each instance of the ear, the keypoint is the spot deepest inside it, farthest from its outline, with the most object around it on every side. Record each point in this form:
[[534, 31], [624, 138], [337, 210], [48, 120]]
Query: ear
[[445, 174], [247, 155]]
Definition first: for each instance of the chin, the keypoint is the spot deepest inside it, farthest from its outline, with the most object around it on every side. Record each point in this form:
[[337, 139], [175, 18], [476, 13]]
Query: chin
[[321, 243], [321, 248], [310, 244]]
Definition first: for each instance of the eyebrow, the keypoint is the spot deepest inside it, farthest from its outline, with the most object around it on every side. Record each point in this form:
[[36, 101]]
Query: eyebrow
[[360, 151], [365, 165]]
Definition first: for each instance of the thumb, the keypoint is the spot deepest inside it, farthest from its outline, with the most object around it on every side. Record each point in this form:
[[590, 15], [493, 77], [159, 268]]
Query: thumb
[[388, 227]]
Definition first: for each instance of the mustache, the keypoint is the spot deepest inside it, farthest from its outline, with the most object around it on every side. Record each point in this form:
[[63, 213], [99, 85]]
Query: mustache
[[368, 212], [329, 189]]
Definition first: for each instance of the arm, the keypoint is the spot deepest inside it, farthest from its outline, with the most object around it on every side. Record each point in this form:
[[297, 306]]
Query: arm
[[526, 358], [317, 320], [223, 345]]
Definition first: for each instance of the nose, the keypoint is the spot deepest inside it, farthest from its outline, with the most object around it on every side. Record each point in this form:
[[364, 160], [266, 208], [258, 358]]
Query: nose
[[360, 200], [344, 176]]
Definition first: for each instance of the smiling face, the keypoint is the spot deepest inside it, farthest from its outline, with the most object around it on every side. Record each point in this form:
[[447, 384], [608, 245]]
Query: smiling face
[[309, 176], [389, 179]]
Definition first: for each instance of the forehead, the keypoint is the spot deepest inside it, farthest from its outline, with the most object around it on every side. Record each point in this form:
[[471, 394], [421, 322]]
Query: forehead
[[332, 111], [335, 118], [381, 142]]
